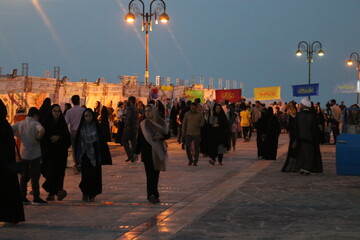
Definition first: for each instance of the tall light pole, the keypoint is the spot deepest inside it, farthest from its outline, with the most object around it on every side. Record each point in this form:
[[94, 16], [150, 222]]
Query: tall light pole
[[158, 12], [356, 58], [309, 48]]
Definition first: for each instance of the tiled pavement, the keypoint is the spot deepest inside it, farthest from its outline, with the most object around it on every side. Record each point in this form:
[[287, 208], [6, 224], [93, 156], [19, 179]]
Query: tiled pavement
[[244, 199]]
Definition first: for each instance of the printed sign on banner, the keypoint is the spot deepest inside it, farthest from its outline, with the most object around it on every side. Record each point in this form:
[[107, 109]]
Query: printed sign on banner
[[233, 95], [114, 89], [267, 93], [12, 85], [95, 90], [349, 87], [42, 85], [305, 90], [74, 88]]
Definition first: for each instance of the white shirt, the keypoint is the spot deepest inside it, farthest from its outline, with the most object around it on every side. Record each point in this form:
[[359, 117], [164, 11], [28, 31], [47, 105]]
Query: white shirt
[[336, 112], [73, 117], [28, 131]]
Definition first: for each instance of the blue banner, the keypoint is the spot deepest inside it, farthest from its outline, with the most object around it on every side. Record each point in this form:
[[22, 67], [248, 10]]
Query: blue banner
[[305, 90]]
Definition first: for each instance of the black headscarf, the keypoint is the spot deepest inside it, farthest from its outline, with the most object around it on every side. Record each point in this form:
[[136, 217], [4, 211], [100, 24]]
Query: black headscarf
[[221, 114], [51, 118], [53, 127], [102, 148], [44, 111]]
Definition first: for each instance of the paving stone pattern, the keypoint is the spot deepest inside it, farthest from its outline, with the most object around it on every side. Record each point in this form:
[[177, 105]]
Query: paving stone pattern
[[275, 205], [246, 198]]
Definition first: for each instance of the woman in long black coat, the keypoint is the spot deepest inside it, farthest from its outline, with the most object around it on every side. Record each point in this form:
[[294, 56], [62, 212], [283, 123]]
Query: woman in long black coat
[[219, 137], [11, 207], [91, 151], [54, 146], [269, 127], [44, 111], [104, 123], [173, 116]]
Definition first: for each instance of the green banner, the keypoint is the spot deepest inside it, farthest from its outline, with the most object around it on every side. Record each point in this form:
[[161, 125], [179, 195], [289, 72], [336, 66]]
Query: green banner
[[193, 94]]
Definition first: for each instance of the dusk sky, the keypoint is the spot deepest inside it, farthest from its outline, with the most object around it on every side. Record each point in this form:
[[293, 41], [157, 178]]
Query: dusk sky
[[250, 41]]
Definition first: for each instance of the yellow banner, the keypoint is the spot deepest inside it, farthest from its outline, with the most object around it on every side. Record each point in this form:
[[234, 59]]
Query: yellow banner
[[267, 93]]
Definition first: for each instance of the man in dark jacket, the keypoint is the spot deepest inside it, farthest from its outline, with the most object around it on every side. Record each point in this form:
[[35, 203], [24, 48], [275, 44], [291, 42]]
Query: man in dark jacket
[[304, 154], [130, 129]]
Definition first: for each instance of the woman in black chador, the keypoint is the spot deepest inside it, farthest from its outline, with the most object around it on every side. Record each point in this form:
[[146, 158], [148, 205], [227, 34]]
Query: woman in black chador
[[104, 123], [91, 151], [44, 111], [54, 146], [152, 133], [11, 207], [173, 116], [304, 154], [269, 129], [219, 137]]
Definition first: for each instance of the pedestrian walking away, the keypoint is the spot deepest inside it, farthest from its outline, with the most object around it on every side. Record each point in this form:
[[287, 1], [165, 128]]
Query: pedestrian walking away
[[130, 129], [73, 117]]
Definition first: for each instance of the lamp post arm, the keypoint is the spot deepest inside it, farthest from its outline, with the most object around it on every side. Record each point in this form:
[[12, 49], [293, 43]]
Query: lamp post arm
[[143, 7], [163, 5], [305, 43], [356, 55], [151, 13], [313, 45], [158, 10], [130, 4]]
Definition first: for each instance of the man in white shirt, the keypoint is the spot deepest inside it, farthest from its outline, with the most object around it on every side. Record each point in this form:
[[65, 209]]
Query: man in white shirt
[[30, 132], [73, 117], [335, 118]]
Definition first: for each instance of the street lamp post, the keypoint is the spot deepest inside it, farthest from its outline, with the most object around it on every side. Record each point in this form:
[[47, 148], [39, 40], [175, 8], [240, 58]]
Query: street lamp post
[[309, 48], [356, 58], [158, 12]]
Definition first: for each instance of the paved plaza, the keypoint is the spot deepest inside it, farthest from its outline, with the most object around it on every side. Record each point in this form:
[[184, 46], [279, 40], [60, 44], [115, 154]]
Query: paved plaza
[[246, 198]]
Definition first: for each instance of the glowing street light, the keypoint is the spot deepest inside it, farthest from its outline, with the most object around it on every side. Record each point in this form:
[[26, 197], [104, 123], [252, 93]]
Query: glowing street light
[[355, 57], [309, 48], [158, 12]]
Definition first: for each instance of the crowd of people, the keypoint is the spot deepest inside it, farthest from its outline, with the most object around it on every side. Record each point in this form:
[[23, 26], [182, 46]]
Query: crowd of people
[[43, 137]]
